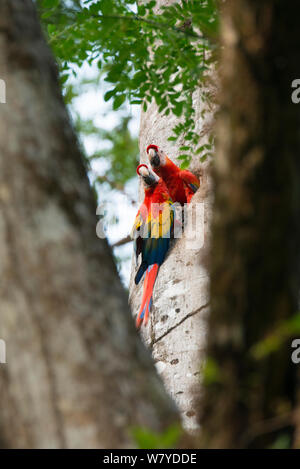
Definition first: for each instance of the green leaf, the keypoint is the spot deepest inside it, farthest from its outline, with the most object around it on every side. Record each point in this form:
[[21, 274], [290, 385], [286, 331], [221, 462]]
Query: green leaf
[[47, 14], [51, 28], [185, 164], [211, 372], [139, 78], [275, 339], [184, 148], [109, 94], [141, 10], [106, 6], [147, 439], [283, 441], [118, 101], [150, 5], [63, 78], [178, 108], [51, 3], [183, 157]]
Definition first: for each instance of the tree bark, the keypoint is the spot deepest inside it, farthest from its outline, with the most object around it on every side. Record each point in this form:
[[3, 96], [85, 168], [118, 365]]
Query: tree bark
[[77, 374], [256, 227], [176, 330]]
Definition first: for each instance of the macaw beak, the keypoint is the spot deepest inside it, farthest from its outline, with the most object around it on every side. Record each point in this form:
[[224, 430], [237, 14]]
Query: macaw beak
[[154, 158], [149, 180], [148, 176]]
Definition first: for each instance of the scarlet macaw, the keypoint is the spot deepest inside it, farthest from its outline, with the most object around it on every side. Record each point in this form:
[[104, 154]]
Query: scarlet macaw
[[181, 184], [151, 231]]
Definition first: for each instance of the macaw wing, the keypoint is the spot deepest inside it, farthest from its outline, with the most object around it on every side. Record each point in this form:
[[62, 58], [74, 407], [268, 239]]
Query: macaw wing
[[152, 236], [136, 225], [160, 230], [136, 232], [190, 180]]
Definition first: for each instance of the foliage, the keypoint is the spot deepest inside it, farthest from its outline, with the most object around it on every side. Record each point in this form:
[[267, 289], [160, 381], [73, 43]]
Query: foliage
[[211, 373], [122, 152], [144, 54], [282, 442], [272, 342], [146, 439]]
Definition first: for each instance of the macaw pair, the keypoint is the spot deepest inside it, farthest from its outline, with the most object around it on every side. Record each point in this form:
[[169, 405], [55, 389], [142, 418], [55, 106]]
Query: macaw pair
[[164, 184]]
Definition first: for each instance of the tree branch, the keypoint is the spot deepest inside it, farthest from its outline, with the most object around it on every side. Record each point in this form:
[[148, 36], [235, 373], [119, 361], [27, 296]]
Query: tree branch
[[156, 24], [122, 241], [178, 323]]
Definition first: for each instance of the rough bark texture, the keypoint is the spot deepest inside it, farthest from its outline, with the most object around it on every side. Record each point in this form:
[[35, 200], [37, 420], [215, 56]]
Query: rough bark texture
[[255, 233], [176, 330], [77, 374]]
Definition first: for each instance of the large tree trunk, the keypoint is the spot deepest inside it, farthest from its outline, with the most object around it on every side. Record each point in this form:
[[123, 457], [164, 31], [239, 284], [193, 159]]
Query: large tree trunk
[[177, 326], [77, 374], [256, 227]]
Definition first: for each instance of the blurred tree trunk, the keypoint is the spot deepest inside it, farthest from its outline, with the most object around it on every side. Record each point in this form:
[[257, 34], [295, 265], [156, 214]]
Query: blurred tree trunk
[[77, 374], [256, 228], [176, 330]]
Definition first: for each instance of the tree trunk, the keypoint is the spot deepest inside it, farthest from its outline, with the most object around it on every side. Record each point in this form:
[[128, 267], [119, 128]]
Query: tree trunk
[[176, 330], [256, 228], [77, 374]]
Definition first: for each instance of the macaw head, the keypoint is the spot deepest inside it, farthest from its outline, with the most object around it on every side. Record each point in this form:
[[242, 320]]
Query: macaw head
[[157, 157], [148, 176]]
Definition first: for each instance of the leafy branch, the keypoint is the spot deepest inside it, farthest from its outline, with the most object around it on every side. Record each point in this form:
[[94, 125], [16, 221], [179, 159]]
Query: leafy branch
[[155, 24], [146, 56]]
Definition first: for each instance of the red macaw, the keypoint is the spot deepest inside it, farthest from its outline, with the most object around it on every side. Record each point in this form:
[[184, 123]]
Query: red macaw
[[151, 231], [181, 184]]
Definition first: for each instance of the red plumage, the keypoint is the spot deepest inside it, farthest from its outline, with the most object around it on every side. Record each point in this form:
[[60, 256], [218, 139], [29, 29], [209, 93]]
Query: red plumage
[[152, 230], [146, 302], [181, 184]]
